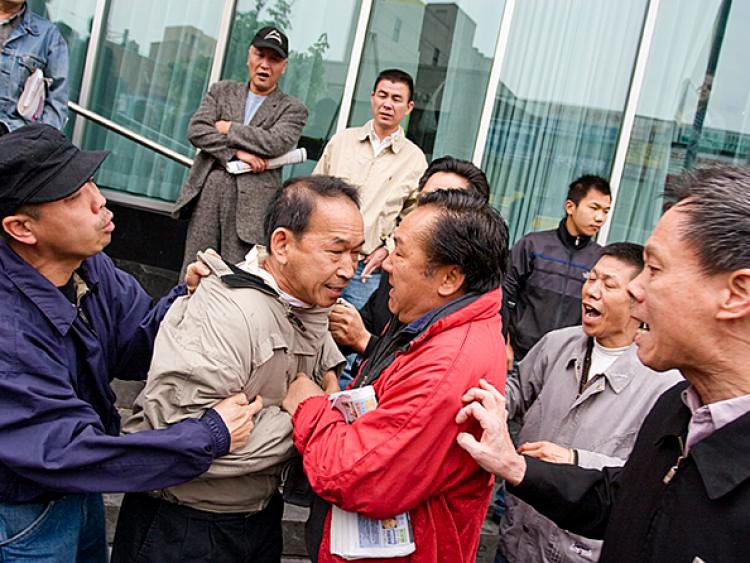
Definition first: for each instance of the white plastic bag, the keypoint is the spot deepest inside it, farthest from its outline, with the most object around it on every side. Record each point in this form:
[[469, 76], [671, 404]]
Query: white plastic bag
[[31, 103]]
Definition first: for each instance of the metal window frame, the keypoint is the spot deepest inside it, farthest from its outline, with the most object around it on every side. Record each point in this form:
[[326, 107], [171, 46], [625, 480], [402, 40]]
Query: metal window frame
[[631, 106], [222, 41], [352, 71], [92, 52], [494, 82]]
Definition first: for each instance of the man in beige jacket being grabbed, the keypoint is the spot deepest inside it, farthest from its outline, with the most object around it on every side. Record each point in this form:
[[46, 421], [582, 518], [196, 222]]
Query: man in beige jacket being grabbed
[[250, 328]]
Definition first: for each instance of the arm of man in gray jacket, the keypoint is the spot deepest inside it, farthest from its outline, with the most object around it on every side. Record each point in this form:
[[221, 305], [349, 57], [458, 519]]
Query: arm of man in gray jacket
[[522, 391], [272, 141], [202, 132]]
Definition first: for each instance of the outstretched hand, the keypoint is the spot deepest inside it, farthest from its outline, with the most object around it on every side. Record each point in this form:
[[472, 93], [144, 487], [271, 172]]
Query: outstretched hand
[[494, 451]]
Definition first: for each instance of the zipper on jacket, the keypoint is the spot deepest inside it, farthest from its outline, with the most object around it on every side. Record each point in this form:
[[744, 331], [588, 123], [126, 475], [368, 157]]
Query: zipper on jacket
[[673, 470]]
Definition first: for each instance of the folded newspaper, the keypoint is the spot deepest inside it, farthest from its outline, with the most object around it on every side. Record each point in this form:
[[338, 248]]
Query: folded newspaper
[[294, 156], [354, 536]]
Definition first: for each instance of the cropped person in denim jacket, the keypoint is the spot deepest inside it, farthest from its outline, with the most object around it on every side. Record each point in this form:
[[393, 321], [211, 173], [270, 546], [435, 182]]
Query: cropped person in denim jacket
[[29, 42]]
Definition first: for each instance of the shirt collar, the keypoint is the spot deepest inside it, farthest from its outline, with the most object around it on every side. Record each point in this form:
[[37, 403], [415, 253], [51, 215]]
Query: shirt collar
[[41, 292], [253, 264], [618, 375], [398, 138]]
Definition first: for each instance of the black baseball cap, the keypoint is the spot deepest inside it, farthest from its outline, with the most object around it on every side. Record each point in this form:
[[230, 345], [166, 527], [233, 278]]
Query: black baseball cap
[[38, 164], [271, 37]]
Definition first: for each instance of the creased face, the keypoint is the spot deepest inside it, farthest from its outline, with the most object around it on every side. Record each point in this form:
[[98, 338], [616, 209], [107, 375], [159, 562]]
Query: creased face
[[674, 298], [322, 261], [606, 311], [265, 67], [414, 288], [75, 227], [390, 104]]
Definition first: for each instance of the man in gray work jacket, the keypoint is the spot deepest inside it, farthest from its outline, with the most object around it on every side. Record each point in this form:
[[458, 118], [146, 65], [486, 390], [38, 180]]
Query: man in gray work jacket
[[251, 122], [581, 396]]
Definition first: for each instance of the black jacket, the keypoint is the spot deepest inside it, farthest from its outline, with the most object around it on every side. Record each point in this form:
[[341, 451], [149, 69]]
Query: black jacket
[[702, 512], [542, 290]]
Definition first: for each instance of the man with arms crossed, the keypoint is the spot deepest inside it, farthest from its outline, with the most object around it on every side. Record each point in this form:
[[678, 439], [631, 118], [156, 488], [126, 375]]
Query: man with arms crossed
[[684, 493], [248, 121]]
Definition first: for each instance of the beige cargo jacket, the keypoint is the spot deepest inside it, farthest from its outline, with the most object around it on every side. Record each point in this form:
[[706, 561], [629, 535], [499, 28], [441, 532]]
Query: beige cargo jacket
[[222, 340]]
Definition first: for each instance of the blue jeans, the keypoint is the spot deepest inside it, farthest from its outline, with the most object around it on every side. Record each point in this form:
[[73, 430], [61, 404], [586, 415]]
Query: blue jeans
[[358, 292], [60, 531]]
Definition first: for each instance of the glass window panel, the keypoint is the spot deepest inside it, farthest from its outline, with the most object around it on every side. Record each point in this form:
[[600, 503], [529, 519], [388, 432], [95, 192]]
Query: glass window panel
[[448, 48], [694, 109], [152, 71], [320, 35], [557, 114], [73, 18]]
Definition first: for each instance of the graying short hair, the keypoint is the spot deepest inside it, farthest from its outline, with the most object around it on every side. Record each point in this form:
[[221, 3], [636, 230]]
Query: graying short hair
[[716, 202]]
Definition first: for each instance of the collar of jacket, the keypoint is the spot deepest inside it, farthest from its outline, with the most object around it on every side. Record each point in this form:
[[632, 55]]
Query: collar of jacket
[[572, 242], [722, 458], [27, 21], [364, 135], [40, 291], [470, 307], [618, 375]]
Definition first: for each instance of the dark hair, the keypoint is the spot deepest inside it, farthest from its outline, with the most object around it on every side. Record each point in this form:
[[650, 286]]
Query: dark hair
[[580, 188], [717, 204], [478, 183], [629, 253], [467, 233], [396, 75], [294, 202]]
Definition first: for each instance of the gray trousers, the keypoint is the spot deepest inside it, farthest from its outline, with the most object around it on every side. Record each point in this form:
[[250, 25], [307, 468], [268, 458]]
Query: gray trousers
[[213, 223]]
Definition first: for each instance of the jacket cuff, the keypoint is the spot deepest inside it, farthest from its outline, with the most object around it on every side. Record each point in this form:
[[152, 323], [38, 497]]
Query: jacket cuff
[[370, 346], [218, 431]]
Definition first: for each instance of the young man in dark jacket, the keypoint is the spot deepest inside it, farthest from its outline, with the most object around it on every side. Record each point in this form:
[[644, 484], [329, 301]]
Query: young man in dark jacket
[[542, 291], [70, 323], [684, 493]]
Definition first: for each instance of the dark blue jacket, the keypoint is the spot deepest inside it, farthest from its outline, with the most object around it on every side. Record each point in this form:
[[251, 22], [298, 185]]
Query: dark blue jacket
[[542, 290], [59, 428]]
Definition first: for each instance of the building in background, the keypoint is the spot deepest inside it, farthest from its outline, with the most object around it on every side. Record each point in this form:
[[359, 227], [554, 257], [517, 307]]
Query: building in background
[[535, 92]]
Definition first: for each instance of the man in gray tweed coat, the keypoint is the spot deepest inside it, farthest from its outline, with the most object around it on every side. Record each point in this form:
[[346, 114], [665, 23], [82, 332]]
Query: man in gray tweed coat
[[251, 122]]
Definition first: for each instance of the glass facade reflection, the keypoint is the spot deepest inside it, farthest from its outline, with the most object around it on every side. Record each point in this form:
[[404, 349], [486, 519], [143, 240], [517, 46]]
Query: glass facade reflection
[[564, 82], [448, 49], [694, 109]]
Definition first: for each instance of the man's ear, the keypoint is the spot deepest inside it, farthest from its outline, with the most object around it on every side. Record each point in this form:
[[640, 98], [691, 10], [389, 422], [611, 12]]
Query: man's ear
[[17, 226], [452, 280], [281, 238], [409, 107], [735, 300], [570, 207]]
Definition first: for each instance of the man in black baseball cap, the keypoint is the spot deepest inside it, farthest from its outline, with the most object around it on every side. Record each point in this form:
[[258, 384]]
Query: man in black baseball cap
[[70, 323], [239, 124]]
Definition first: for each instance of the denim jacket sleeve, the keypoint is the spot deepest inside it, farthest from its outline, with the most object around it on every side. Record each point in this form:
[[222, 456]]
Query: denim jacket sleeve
[[55, 111]]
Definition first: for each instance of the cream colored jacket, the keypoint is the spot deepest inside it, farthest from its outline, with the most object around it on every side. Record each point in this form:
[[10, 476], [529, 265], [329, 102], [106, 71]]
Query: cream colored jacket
[[387, 182], [218, 342]]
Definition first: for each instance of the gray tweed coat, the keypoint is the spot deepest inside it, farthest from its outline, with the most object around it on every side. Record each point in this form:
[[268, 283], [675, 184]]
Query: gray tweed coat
[[274, 130]]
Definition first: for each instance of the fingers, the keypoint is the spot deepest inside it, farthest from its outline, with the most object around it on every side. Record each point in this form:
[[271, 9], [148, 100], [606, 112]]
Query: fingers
[[256, 406]]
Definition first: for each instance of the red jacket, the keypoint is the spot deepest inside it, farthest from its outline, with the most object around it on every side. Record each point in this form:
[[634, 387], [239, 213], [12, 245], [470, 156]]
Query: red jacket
[[403, 456]]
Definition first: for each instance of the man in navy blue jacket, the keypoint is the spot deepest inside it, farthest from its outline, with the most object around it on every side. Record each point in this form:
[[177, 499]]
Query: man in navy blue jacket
[[70, 323]]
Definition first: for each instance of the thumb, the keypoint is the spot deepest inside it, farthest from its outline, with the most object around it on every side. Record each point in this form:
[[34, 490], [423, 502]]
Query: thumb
[[256, 405], [468, 442], [240, 399]]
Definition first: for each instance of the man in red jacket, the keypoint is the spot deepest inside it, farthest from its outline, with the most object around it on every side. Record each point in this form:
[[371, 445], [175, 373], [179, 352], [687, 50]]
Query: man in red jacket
[[446, 274]]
